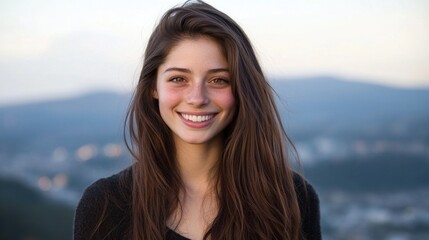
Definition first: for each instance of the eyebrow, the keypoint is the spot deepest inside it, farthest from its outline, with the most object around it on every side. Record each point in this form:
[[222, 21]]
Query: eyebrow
[[186, 70]]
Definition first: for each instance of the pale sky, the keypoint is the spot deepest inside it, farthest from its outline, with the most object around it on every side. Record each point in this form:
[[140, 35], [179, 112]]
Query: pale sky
[[57, 48]]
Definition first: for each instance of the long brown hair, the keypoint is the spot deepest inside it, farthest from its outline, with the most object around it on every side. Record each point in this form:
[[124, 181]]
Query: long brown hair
[[254, 187]]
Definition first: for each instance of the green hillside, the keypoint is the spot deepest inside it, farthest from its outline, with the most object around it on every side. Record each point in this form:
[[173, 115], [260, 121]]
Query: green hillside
[[378, 173], [26, 214]]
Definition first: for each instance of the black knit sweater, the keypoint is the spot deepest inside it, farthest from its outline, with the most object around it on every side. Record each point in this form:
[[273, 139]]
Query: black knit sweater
[[116, 210]]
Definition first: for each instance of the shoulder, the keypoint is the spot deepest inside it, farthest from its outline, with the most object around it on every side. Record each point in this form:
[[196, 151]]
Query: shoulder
[[104, 202], [113, 187], [108, 185], [308, 201], [305, 191]]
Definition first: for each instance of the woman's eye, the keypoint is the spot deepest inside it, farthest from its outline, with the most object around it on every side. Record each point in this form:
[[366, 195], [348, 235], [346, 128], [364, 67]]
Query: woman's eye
[[220, 81], [177, 79]]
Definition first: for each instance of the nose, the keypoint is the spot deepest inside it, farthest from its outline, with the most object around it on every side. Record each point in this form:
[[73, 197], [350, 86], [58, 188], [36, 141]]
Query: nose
[[197, 95]]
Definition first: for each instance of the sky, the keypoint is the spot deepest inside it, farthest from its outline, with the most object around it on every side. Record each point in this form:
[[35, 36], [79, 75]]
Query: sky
[[59, 48]]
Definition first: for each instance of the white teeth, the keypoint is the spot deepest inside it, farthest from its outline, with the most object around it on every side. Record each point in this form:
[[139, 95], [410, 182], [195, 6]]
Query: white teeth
[[197, 118]]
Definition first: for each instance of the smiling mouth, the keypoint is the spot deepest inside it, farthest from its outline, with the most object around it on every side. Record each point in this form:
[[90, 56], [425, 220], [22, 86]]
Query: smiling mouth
[[197, 118]]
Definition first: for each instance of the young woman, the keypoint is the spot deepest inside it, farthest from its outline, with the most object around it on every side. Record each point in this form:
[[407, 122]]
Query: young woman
[[210, 152]]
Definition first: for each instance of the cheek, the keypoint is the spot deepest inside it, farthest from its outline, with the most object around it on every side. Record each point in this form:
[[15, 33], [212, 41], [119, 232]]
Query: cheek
[[229, 106], [167, 99], [227, 102]]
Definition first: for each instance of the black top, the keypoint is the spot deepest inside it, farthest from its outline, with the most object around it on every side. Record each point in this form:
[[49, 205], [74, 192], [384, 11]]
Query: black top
[[117, 210]]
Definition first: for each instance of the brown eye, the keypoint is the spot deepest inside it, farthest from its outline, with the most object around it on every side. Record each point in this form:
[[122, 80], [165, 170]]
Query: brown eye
[[177, 80], [220, 81]]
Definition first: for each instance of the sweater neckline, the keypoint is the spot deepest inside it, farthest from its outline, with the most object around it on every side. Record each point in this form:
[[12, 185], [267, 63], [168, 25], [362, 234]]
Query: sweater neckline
[[175, 235]]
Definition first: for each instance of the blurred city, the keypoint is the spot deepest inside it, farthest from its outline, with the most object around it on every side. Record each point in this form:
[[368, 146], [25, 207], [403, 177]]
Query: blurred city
[[364, 147]]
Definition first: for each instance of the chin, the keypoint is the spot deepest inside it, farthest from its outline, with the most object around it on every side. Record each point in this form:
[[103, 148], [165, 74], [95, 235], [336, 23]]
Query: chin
[[197, 140]]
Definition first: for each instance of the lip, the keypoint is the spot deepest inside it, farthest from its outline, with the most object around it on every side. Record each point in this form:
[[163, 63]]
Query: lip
[[202, 124]]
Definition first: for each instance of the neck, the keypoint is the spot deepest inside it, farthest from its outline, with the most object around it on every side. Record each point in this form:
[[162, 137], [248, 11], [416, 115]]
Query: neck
[[196, 164]]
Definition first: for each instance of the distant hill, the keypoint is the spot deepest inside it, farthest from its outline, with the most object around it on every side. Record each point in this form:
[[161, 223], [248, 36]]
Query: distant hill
[[377, 173], [27, 214], [92, 117], [313, 106], [331, 106], [310, 107], [325, 116]]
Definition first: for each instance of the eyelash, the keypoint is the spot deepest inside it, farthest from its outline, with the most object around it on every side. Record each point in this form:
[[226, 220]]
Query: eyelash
[[219, 81], [177, 79], [216, 81]]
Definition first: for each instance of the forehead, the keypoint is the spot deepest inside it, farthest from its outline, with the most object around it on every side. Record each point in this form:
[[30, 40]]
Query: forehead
[[200, 51]]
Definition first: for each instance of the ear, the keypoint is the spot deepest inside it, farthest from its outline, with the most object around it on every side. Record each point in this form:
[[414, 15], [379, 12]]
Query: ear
[[155, 94]]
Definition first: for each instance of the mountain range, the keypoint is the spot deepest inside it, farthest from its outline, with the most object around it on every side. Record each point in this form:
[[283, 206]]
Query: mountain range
[[359, 143], [311, 106], [328, 118]]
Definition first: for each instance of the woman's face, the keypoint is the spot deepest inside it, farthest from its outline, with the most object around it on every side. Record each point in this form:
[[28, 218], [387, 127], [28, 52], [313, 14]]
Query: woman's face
[[194, 91]]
